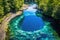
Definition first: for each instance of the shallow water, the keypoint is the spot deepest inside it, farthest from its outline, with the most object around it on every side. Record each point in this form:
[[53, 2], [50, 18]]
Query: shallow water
[[30, 22]]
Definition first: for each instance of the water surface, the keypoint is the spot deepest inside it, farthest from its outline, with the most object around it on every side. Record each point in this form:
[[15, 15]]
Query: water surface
[[31, 22]]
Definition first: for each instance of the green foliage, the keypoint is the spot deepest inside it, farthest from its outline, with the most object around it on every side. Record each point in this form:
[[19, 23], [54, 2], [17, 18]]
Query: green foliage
[[6, 7], [1, 8], [57, 13], [9, 5], [50, 7], [19, 4], [15, 5], [1, 11]]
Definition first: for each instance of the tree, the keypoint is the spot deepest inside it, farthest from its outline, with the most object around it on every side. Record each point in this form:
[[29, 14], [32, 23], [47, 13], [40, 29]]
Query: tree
[[49, 7], [15, 5], [6, 6]]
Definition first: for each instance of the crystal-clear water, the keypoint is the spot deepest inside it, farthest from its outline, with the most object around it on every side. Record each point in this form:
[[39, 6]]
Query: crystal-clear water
[[30, 27], [31, 22]]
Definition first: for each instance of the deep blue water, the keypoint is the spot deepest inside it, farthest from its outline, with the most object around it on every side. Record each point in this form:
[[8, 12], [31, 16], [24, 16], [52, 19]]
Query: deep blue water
[[31, 22]]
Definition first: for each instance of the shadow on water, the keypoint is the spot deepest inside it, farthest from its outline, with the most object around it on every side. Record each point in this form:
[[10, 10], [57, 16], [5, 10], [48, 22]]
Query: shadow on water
[[38, 23], [54, 22]]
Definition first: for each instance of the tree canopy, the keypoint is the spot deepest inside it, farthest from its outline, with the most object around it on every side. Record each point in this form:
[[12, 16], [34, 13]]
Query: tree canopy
[[7, 6], [50, 7], [10, 5]]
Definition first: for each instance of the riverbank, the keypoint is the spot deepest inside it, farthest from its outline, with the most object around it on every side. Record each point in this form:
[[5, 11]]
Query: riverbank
[[4, 24], [6, 19]]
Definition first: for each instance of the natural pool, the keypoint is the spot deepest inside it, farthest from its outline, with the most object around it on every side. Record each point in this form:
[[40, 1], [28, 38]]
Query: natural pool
[[30, 27], [31, 22]]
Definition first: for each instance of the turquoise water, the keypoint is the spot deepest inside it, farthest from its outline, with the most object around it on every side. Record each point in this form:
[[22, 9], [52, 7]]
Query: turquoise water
[[31, 22], [30, 27]]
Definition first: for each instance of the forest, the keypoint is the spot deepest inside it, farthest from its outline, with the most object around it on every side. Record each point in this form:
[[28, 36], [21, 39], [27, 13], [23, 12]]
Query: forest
[[50, 7], [7, 6]]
